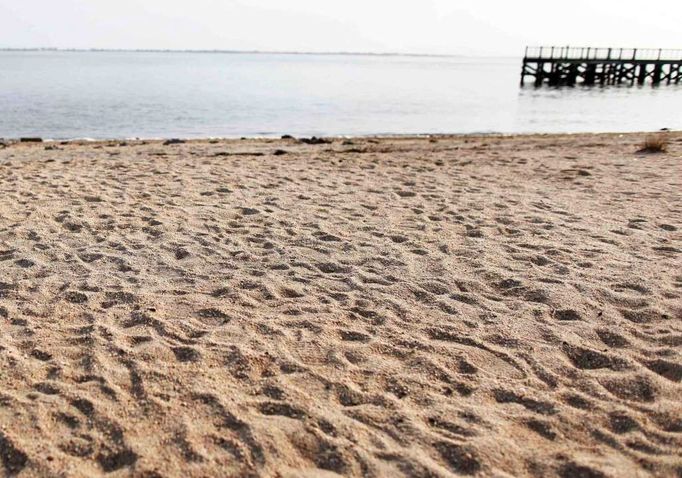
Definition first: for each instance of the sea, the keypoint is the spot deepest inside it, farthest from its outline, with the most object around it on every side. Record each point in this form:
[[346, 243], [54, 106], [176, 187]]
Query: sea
[[142, 94]]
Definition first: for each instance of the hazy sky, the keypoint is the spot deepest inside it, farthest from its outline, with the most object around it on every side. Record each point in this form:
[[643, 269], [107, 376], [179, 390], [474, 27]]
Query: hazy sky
[[489, 27]]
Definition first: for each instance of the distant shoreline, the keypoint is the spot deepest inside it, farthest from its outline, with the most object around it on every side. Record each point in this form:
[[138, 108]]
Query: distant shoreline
[[249, 52]]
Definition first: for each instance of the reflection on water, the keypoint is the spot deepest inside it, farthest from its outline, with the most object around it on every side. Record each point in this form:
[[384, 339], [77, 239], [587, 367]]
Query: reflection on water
[[142, 94], [608, 108]]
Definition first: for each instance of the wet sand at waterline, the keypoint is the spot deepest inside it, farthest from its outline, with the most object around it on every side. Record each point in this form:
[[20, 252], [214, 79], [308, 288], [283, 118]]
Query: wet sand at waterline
[[490, 306]]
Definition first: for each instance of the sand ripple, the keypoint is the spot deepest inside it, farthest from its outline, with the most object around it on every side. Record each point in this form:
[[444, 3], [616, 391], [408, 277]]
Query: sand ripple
[[466, 306]]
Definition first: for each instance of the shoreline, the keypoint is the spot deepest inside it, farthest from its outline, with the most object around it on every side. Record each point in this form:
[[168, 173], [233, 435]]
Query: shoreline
[[334, 137]]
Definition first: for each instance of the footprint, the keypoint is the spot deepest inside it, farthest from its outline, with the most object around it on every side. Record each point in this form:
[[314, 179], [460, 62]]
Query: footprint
[[25, 263], [282, 409], [574, 470], [612, 339], [333, 268], [118, 298], [670, 370], [40, 355], [460, 458], [587, 359], [181, 254], [567, 315], [507, 396], [13, 459], [637, 388], [542, 428], [186, 354], [620, 422], [111, 461], [75, 297], [354, 336], [214, 316]]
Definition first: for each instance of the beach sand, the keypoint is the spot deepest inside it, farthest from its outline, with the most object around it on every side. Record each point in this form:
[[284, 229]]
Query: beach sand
[[491, 306]]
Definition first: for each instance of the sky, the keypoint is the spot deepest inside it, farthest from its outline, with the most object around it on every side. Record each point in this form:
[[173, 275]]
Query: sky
[[460, 27]]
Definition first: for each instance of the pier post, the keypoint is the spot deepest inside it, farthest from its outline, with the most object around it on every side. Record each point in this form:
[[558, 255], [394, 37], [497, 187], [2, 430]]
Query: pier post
[[632, 72], [539, 74], [524, 68], [590, 74], [602, 74], [572, 74], [642, 73], [656, 79]]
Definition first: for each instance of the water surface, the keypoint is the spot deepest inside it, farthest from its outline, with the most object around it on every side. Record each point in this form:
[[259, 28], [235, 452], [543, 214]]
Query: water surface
[[158, 94]]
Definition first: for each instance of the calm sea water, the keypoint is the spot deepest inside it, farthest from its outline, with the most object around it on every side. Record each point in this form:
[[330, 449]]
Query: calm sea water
[[140, 94]]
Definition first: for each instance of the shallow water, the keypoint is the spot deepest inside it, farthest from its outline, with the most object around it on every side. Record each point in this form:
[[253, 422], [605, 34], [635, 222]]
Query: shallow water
[[156, 94]]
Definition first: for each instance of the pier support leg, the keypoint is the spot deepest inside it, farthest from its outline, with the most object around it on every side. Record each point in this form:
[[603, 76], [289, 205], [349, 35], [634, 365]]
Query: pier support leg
[[539, 74], [602, 75], [633, 74], [642, 74], [590, 74], [657, 75], [572, 75]]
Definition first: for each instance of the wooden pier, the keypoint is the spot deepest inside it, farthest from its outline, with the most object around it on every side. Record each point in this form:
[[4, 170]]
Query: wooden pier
[[569, 66]]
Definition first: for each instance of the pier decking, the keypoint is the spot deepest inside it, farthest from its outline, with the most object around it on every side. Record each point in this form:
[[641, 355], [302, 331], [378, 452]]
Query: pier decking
[[557, 66]]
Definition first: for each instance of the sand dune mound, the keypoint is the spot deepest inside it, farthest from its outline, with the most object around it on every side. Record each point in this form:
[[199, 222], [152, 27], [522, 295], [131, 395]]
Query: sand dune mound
[[402, 307]]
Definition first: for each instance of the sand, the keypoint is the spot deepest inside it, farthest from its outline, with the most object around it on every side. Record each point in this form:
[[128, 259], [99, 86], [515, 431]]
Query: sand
[[490, 306]]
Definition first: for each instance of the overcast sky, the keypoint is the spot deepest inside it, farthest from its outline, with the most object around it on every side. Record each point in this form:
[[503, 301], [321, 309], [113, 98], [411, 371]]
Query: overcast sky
[[489, 27]]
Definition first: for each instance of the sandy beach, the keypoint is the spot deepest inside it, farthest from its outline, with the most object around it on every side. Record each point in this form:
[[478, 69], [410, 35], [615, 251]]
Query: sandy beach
[[368, 307]]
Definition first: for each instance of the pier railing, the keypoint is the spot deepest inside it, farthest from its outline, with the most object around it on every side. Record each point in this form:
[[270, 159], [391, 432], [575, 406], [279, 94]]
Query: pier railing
[[602, 54]]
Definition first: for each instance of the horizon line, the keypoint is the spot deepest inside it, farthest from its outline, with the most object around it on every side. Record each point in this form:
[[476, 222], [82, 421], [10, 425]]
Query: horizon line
[[257, 52]]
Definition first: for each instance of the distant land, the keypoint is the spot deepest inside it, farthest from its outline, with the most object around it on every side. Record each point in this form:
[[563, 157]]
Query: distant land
[[238, 52]]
